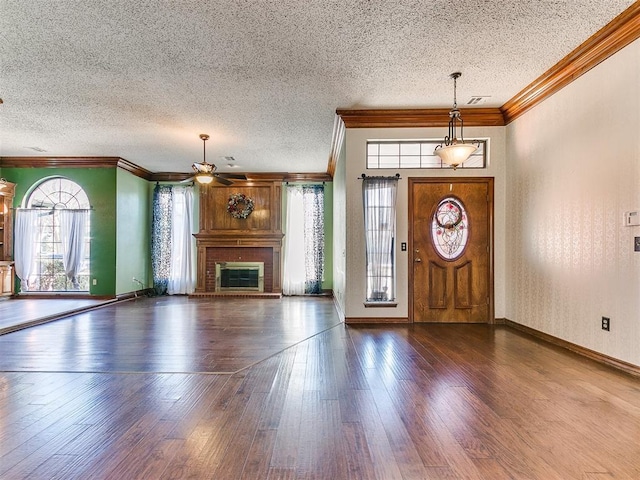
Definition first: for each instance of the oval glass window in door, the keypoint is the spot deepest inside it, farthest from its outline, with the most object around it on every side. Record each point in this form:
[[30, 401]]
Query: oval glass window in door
[[450, 228]]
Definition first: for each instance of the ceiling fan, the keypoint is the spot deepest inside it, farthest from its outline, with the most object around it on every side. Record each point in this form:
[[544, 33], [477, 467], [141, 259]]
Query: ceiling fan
[[205, 173]]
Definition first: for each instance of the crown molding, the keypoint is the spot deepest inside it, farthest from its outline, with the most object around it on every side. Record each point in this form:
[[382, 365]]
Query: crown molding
[[429, 117], [266, 176], [134, 169], [169, 177], [117, 162], [611, 38], [75, 162], [59, 162], [308, 177]]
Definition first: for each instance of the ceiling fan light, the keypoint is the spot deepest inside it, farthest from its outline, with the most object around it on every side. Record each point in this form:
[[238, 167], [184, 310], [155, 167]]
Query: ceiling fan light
[[456, 153], [204, 178]]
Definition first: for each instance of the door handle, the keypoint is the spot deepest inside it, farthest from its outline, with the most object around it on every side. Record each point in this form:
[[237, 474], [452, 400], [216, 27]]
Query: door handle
[[417, 260]]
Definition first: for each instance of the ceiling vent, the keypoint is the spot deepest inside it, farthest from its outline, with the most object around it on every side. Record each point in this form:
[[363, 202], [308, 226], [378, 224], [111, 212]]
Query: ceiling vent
[[478, 100]]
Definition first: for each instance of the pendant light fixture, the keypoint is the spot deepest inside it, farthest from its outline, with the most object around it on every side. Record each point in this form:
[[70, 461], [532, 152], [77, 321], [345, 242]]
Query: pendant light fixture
[[204, 171], [454, 151]]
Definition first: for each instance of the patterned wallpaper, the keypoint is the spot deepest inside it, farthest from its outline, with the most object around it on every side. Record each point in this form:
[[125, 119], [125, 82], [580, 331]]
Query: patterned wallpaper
[[573, 168]]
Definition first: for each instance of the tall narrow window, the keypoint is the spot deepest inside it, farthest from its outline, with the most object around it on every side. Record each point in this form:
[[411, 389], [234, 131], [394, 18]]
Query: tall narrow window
[[172, 241], [379, 199], [161, 238], [304, 240], [52, 238]]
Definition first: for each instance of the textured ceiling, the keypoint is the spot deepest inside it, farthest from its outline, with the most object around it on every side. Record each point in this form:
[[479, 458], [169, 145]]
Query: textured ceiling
[[141, 79]]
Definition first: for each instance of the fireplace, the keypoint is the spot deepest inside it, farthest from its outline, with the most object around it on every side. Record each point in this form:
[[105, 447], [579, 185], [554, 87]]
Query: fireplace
[[225, 242], [240, 276]]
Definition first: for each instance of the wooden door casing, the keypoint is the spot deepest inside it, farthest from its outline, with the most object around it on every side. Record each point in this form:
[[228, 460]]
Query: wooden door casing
[[451, 291]]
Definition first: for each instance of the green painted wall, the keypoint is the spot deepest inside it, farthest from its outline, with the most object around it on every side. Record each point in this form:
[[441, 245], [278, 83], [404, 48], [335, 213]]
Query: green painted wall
[[100, 186], [133, 238]]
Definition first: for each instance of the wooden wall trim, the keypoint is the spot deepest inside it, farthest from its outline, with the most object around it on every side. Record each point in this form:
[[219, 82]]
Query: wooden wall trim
[[117, 162], [169, 177], [408, 118], [375, 320], [585, 352], [614, 36], [59, 162], [308, 177], [75, 162], [134, 169]]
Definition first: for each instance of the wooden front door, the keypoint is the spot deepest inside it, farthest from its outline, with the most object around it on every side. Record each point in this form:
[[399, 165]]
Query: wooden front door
[[450, 231]]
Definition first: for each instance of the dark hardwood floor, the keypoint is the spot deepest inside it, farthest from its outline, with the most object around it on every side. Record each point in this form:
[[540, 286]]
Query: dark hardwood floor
[[176, 388], [23, 312]]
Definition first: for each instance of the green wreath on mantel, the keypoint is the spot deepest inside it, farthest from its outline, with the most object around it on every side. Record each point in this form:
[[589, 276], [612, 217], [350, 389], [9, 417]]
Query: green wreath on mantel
[[239, 205]]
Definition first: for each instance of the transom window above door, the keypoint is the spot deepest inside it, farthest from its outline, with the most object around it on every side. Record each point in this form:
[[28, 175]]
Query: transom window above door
[[417, 154]]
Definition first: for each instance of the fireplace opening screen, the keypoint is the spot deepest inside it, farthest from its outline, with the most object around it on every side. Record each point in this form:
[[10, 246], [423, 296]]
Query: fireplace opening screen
[[240, 276]]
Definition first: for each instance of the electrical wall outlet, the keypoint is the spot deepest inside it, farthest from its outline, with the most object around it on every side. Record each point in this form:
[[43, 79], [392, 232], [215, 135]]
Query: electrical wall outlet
[[95, 281], [606, 323]]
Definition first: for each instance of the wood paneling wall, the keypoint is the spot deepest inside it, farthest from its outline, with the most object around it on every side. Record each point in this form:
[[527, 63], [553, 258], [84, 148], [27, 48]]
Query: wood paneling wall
[[265, 217]]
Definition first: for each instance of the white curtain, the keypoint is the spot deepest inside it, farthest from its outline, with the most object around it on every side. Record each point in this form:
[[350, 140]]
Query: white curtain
[[74, 225], [182, 272], [379, 199], [294, 274], [26, 238]]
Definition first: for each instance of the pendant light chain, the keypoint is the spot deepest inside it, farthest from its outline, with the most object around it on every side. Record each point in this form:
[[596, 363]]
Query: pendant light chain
[[455, 83]]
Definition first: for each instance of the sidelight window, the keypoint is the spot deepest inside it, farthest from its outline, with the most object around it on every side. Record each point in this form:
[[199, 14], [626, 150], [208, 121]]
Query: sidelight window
[[379, 199]]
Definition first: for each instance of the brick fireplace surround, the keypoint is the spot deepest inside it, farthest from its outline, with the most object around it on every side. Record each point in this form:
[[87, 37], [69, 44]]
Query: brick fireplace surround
[[216, 250]]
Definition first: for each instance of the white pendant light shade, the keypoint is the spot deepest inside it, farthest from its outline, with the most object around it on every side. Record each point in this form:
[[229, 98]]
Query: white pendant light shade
[[204, 178], [456, 153]]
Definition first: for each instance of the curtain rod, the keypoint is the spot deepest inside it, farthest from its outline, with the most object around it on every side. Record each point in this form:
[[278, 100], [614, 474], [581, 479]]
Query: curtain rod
[[364, 177]]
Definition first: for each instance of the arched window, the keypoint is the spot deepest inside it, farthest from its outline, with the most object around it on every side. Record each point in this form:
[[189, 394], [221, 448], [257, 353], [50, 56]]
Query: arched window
[[61, 250]]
